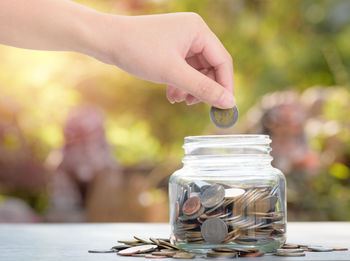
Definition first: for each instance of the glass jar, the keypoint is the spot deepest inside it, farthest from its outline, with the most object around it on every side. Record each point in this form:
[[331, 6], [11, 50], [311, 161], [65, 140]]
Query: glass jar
[[227, 195]]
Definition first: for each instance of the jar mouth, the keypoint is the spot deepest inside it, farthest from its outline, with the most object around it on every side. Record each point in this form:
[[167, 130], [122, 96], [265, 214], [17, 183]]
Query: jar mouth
[[239, 150], [236, 139]]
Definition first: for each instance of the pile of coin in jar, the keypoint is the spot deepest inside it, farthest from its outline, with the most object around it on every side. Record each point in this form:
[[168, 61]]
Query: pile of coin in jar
[[220, 214]]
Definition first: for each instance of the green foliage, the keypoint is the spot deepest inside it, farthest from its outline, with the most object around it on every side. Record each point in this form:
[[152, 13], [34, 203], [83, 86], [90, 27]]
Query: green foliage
[[275, 45]]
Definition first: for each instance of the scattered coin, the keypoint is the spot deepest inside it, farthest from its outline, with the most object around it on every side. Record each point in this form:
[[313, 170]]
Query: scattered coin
[[139, 255], [101, 251], [245, 250], [137, 250], [163, 248], [119, 247], [142, 240], [155, 257], [253, 254], [164, 253], [340, 249], [283, 250], [320, 249], [184, 255], [212, 196], [290, 246], [289, 254], [191, 205], [224, 118], [222, 254], [166, 243], [214, 230], [130, 242]]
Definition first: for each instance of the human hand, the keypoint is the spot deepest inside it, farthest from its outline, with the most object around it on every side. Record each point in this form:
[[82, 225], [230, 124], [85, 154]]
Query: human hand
[[175, 49]]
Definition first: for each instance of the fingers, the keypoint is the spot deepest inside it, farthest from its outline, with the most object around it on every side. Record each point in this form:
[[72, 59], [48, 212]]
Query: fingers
[[217, 56], [176, 95], [201, 87]]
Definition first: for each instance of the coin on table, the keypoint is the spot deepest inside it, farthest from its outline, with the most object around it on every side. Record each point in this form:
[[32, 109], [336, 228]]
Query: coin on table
[[340, 249], [320, 249], [101, 251], [139, 255], [142, 240], [137, 250], [290, 246], [246, 249], [221, 254], [252, 254], [183, 255], [289, 254], [224, 118], [282, 250], [164, 253], [191, 205], [212, 196], [214, 230], [119, 247], [151, 256]]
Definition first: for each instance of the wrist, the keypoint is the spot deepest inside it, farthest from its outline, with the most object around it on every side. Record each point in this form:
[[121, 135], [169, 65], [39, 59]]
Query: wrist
[[99, 36]]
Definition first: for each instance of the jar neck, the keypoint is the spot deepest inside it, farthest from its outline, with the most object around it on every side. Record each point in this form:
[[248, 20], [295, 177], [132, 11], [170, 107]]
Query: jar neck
[[227, 151]]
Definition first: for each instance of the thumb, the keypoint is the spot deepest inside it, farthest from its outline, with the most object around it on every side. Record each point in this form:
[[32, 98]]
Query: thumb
[[202, 87]]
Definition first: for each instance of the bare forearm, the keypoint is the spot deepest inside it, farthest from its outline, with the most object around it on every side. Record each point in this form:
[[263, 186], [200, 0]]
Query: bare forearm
[[176, 49], [45, 24]]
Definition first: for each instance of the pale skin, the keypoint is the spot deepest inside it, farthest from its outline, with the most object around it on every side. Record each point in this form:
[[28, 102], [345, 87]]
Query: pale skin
[[176, 49]]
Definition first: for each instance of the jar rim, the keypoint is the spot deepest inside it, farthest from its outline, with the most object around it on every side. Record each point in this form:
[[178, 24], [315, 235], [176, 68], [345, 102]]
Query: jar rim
[[231, 138]]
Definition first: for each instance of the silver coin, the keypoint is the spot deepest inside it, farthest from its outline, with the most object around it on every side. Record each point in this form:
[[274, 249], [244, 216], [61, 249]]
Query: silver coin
[[184, 255], [224, 118], [101, 251], [137, 250], [214, 230], [289, 254], [234, 192], [266, 204], [282, 250], [320, 249], [212, 196]]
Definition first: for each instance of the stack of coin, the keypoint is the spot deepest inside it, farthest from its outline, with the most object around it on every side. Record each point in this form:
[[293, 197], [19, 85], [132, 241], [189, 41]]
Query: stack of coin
[[216, 213]]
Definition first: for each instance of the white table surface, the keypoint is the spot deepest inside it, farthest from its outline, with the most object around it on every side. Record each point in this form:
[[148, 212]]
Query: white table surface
[[72, 241]]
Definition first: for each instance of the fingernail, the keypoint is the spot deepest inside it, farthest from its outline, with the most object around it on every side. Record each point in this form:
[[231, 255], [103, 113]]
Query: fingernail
[[227, 100]]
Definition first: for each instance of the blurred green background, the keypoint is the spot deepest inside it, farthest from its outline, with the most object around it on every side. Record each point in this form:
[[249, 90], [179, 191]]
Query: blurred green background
[[85, 141]]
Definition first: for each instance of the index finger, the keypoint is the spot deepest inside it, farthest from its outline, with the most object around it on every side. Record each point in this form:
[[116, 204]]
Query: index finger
[[218, 57]]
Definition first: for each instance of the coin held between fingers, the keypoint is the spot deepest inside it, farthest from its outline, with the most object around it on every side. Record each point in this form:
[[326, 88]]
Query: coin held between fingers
[[224, 118]]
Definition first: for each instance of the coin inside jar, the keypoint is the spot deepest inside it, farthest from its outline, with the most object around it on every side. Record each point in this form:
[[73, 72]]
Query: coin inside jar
[[224, 118], [214, 230], [212, 196], [191, 205]]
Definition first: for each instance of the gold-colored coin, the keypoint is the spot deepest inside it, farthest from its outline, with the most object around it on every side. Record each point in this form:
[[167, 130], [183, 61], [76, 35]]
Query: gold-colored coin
[[222, 254], [224, 118], [184, 255]]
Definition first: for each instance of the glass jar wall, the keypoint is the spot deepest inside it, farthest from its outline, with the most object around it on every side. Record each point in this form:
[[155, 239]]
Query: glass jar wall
[[227, 195]]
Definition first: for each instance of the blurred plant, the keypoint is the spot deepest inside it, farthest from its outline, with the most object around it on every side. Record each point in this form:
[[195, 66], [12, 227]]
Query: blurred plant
[[311, 145], [274, 45]]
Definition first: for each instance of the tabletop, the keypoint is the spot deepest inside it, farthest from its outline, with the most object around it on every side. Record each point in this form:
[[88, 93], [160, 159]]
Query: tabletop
[[72, 241]]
